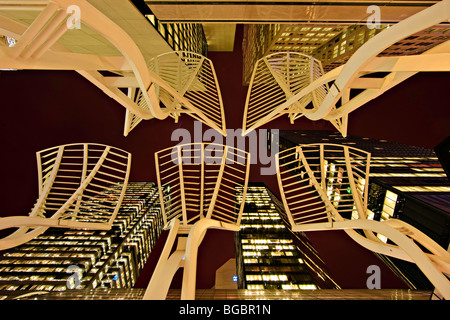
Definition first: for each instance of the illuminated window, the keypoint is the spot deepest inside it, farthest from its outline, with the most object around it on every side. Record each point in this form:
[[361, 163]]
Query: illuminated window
[[251, 253], [307, 286], [250, 261], [289, 286], [255, 287], [253, 277]]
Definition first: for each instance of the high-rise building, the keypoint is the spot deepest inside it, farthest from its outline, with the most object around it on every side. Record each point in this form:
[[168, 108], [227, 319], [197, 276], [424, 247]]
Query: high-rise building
[[333, 44], [267, 255], [60, 260]]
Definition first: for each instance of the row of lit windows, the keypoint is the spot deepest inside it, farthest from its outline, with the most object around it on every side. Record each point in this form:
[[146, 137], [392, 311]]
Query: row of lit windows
[[260, 218], [76, 244], [257, 261], [266, 277], [263, 226], [266, 247], [273, 253], [265, 254], [40, 287], [286, 286], [266, 241]]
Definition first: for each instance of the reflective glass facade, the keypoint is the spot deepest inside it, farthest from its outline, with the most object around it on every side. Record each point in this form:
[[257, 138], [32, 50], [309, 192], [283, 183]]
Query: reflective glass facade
[[268, 257]]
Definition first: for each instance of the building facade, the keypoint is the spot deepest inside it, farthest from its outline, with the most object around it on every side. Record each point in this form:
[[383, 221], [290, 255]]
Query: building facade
[[331, 43], [268, 255], [60, 259]]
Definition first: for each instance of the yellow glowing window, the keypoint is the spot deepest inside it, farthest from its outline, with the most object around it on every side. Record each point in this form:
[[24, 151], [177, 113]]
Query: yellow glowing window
[[251, 253], [270, 277], [250, 261], [307, 286], [389, 204], [255, 287], [253, 277], [289, 286]]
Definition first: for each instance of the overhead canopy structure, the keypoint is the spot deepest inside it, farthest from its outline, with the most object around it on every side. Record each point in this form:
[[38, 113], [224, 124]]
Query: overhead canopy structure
[[121, 72], [80, 186], [325, 187], [363, 78], [276, 78], [255, 11]]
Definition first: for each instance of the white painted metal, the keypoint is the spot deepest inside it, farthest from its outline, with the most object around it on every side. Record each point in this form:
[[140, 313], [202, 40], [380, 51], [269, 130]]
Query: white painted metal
[[80, 186], [337, 101], [193, 77], [126, 77], [277, 78], [201, 186], [325, 186]]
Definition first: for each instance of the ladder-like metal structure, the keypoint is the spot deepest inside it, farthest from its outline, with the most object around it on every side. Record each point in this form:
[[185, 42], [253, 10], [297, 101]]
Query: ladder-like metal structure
[[193, 77], [325, 187], [125, 77], [81, 186], [276, 78], [201, 186], [286, 82]]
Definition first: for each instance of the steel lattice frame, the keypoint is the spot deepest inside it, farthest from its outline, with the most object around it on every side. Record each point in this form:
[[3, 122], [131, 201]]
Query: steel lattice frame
[[201, 186], [130, 81], [80, 186], [336, 88]]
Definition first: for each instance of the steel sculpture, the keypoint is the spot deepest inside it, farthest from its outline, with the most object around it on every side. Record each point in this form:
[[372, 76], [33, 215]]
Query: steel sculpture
[[201, 186], [125, 77], [81, 186], [325, 187], [294, 84]]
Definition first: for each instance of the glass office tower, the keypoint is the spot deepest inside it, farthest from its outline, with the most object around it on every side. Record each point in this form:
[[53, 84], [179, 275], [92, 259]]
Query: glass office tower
[[63, 259], [267, 255]]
